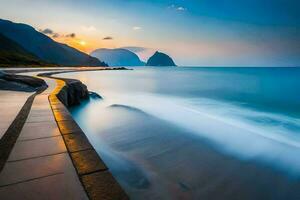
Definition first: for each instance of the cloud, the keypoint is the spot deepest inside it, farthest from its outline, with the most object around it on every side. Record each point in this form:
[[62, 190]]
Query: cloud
[[50, 32], [135, 49], [47, 31], [180, 8], [136, 28], [177, 8], [107, 38], [71, 35], [55, 35]]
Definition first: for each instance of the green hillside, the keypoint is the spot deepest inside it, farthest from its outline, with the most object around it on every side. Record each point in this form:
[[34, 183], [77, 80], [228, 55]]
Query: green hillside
[[12, 54]]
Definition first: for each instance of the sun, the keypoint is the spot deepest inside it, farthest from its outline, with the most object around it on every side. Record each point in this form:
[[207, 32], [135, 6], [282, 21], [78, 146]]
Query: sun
[[83, 43]]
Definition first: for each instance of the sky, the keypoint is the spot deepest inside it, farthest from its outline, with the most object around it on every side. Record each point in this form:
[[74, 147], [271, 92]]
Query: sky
[[192, 32]]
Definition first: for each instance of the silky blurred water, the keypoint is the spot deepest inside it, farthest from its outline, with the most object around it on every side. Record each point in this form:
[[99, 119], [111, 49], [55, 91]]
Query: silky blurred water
[[189, 133]]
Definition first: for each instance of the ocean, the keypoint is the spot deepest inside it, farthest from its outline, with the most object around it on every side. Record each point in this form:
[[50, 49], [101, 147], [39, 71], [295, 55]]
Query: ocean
[[196, 132]]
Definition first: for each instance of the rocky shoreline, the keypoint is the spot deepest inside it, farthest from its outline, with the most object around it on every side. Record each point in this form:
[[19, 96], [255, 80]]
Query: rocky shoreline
[[15, 82]]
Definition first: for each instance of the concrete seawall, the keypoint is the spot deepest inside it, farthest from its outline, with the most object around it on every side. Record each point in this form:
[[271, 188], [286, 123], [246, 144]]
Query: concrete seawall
[[39, 164], [92, 171], [44, 153]]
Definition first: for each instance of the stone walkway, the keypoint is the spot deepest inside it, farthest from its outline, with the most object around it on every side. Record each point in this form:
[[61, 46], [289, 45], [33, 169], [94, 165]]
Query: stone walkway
[[39, 166], [11, 103]]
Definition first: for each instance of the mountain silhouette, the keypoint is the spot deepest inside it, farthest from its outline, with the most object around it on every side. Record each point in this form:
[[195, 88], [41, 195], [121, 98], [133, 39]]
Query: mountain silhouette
[[13, 54], [117, 57], [44, 47], [160, 59]]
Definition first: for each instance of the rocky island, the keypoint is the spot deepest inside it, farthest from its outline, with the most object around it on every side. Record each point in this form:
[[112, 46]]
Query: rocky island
[[160, 59]]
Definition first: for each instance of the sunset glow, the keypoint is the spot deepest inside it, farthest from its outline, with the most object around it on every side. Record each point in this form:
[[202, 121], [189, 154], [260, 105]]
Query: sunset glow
[[83, 43], [149, 99], [193, 32]]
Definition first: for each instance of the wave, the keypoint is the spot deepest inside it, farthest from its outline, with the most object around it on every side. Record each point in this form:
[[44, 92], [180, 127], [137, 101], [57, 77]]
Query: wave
[[232, 129], [126, 107]]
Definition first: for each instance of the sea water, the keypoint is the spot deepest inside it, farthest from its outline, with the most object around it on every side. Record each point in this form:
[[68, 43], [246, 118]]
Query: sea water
[[196, 132]]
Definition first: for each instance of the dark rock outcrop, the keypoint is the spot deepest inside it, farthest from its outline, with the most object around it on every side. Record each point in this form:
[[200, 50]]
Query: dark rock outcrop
[[21, 83], [117, 57], [160, 59], [44, 47], [73, 92], [94, 95]]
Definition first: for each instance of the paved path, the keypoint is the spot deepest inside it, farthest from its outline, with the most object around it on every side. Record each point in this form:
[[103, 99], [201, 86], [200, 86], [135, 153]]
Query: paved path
[[39, 166], [11, 103]]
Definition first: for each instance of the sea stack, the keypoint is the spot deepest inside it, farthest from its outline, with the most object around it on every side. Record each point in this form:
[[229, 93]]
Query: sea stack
[[160, 59]]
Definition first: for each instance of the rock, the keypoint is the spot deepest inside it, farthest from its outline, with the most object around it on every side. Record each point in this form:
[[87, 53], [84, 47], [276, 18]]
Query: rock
[[73, 92], [94, 95], [160, 59], [21, 82]]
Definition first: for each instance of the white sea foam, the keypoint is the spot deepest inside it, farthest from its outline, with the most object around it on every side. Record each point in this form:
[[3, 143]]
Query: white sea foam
[[248, 134]]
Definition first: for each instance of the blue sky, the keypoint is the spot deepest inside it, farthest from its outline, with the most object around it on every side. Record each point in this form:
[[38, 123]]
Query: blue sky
[[203, 32]]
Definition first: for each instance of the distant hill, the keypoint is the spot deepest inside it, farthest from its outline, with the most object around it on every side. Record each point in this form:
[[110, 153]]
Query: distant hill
[[13, 54], [44, 47], [117, 57], [160, 59]]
